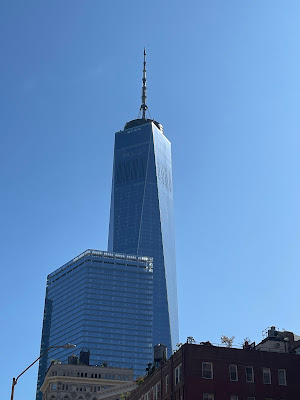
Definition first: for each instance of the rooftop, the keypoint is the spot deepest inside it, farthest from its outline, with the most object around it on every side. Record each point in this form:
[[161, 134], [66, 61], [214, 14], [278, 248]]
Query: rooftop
[[146, 261]]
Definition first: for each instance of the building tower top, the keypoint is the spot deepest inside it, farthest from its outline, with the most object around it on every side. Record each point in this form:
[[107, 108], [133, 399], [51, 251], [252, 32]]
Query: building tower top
[[143, 120], [144, 106]]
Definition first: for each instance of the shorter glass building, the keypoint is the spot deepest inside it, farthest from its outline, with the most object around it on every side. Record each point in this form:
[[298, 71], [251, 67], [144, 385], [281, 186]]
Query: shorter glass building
[[102, 302]]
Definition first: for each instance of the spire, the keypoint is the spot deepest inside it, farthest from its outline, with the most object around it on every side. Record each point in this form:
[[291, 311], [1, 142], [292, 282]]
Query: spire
[[144, 106]]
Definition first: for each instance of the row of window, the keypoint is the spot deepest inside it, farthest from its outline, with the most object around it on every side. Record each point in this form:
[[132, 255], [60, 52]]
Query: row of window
[[54, 387], [98, 376], [156, 388], [207, 373]]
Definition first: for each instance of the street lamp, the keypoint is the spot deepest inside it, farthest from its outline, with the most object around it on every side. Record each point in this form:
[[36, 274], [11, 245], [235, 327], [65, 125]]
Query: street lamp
[[15, 380]]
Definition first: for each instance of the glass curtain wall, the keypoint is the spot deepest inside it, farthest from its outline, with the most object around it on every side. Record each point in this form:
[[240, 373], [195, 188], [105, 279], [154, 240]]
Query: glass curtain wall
[[142, 216], [102, 302]]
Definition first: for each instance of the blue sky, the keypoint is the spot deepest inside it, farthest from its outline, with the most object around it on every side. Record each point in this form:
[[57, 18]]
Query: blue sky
[[223, 79]]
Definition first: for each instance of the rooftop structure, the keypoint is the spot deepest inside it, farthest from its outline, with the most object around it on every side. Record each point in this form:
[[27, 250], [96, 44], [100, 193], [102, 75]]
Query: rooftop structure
[[279, 341]]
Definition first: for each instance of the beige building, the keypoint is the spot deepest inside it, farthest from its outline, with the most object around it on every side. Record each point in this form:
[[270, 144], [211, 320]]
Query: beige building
[[86, 382], [279, 341]]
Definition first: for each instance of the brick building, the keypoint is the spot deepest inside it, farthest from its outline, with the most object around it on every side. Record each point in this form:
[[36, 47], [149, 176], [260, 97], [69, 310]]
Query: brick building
[[207, 372]]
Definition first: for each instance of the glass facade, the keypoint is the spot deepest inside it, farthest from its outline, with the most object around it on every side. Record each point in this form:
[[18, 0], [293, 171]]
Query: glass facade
[[142, 216], [103, 302]]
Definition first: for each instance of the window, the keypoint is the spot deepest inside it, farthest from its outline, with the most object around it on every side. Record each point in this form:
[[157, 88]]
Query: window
[[208, 396], [167, 383], [53, 386], [267, 376], [233, 374], [207, 370], [232, 397], [178, 374], [249, 374], [282, 377], [156, 392], [147, 396]]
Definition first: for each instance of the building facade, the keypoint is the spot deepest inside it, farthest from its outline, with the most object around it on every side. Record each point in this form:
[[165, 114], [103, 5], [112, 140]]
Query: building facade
[[103, 302], [207, 372], [142, 212], [142, 216], [82, 382]]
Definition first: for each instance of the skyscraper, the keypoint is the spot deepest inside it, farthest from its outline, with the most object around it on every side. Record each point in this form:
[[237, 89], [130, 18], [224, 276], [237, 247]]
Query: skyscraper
[[102, 302], [142, 216]]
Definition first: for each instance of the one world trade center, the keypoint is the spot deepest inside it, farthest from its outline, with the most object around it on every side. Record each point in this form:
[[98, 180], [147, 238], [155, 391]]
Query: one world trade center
[[142, 213]]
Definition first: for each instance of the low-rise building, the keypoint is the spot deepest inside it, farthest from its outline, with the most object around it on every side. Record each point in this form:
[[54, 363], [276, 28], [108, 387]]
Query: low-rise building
[[207, 372], [86, 382]]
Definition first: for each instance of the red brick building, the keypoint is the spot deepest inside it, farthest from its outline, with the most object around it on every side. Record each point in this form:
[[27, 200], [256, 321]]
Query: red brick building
[[206, 372]]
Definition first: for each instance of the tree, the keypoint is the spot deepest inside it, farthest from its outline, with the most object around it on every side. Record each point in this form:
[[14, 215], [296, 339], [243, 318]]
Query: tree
[[228, 341], [139, 380]]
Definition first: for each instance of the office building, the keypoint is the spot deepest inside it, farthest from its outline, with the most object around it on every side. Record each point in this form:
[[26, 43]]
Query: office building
[[208, 372], [84, 382], [102, 302], [142, 216]]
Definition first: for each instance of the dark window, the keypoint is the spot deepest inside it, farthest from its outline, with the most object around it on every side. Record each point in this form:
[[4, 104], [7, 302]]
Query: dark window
[[208, 396], [207, 370], [282, 377], [267, 376], [178, 374], [233, 374], [249, 374]]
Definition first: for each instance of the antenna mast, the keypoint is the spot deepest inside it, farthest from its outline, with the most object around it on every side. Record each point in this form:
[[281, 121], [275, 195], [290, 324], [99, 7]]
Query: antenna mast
[[144, 106]]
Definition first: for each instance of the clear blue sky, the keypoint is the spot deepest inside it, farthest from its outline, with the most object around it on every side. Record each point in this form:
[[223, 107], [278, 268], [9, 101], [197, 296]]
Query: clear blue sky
[[223, 79]]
